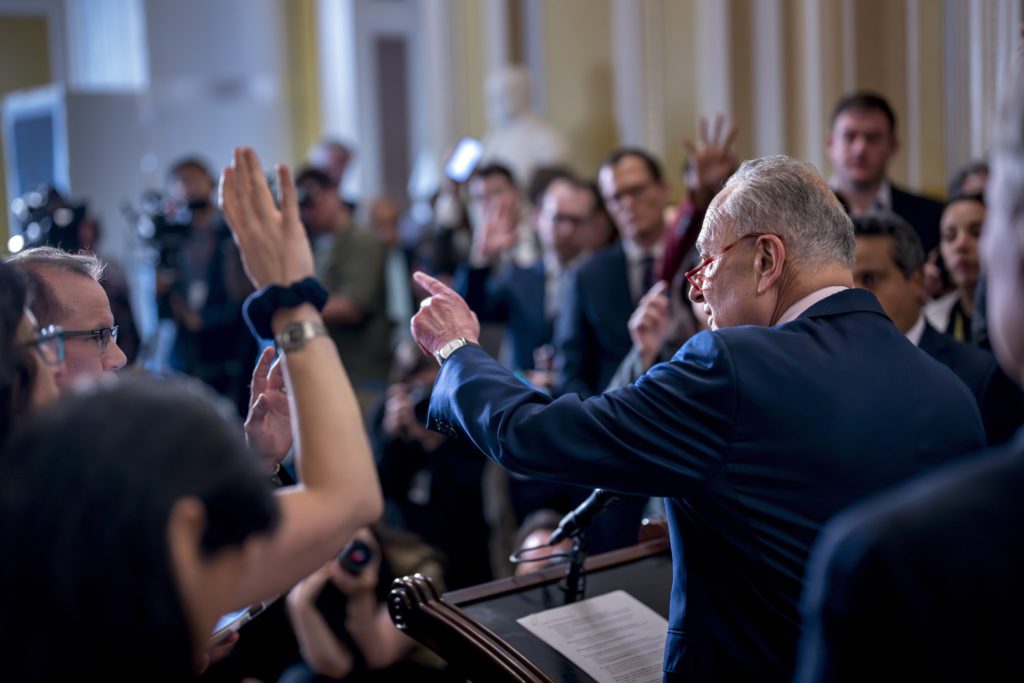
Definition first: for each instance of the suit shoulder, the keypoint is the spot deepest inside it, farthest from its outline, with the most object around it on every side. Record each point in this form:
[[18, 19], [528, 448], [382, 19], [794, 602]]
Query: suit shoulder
[[901, 198], [599, 263]]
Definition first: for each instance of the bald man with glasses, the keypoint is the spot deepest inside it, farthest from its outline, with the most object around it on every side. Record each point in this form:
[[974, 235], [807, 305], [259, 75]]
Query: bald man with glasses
[[801, 399], [67, 293]]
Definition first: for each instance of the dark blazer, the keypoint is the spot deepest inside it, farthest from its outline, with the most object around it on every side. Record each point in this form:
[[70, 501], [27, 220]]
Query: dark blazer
[[514, 295], [923, 214], [591, 332], [755, 436], [1000, 401], [924, 582]]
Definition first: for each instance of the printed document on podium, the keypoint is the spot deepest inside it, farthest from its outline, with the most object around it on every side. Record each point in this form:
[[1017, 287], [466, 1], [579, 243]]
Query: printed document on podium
[[615, 638]]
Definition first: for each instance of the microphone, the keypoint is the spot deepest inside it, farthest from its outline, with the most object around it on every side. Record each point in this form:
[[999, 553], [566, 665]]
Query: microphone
[[580, 518]]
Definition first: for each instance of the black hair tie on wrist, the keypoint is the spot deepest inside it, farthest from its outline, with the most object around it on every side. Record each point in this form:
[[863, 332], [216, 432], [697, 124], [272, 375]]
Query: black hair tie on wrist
[[260, 306]]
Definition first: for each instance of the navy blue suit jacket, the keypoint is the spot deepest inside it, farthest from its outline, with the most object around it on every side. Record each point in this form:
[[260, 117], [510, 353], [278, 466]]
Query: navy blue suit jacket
[[592, 333], [1000, 401], [512, 295], [923, 213], [755, 436], [923, 583]]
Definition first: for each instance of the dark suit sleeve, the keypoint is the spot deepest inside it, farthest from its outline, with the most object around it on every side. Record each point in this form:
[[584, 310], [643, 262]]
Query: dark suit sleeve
[[665, 435], [575, 346]]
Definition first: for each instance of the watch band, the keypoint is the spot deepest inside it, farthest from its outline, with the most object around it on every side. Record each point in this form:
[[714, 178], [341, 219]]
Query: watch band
[[449, 348], [294, 336]]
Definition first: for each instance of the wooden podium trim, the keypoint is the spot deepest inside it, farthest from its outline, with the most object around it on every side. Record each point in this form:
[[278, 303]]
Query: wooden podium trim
[[468, 596]]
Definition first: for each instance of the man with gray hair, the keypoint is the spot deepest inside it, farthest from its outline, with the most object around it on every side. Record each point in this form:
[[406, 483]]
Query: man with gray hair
[[802, 398], [67, 292]]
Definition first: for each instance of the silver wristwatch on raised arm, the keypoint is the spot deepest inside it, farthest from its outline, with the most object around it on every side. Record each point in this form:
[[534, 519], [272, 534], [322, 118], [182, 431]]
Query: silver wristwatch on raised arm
[[295, 335]]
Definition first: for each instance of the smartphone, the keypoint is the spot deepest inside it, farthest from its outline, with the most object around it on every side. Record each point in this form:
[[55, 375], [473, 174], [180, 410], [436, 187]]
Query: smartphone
[[355, 556], [464, 159], [232, 621]]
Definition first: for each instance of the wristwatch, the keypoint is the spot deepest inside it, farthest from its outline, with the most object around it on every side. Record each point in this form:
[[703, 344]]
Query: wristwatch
[[295, 335], [449, 348]]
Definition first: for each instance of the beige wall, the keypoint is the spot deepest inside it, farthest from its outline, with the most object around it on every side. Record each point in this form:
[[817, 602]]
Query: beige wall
[[679, 84], [872, 49], [303, 76], [578, 56], [471, 114], [24, 63]]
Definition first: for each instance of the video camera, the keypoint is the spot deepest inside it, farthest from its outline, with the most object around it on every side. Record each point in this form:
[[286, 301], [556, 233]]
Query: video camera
[[46, 218], [164, 225]]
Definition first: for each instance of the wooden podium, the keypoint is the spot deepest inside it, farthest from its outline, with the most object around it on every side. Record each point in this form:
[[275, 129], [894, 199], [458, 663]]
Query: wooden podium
[[475, 629]]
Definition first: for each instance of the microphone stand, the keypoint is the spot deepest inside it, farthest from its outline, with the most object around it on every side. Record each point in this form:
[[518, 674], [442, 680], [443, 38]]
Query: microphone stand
[[575, 580]]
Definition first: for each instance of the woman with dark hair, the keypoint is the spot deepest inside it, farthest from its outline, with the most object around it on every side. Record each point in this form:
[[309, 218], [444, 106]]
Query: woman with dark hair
[[959, 232], [29, 360], [121, 543], [132, 516]]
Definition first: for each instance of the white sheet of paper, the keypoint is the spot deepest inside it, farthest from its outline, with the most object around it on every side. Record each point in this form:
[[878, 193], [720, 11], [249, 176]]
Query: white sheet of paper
[[614, 637]]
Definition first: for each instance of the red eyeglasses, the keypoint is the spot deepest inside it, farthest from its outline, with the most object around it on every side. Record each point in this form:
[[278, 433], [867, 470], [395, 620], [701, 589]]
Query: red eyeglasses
[[694, 275]]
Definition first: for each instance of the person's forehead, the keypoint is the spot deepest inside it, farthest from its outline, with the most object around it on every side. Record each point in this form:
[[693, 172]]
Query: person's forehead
[[862, 120], [711, 230], [874, 251], [562, 196], [963, 211], [84, 301], [630, 170]]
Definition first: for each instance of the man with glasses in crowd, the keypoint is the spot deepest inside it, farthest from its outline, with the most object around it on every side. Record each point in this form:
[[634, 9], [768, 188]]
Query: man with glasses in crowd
[[591, 333], [67, 293], [802, 398]]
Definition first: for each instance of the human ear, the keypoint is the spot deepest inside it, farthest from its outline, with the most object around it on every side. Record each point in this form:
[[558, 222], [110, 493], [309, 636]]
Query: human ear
[[769, 260]]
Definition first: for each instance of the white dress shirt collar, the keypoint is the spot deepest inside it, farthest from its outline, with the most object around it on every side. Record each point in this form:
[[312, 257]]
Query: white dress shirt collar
[[916, 331], [794, 311]]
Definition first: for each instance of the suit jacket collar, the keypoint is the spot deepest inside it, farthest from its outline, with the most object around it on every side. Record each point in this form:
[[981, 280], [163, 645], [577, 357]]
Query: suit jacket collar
[[847, 301]]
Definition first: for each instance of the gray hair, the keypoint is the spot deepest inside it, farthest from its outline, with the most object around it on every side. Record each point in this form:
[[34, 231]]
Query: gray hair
[[787, 197], [46, 304]]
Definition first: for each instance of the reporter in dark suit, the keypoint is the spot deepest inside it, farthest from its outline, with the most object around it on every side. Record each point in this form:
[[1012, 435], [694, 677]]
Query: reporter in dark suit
[[861, 142], [755, 432], [591, 334], [526, 297], [890, 262]]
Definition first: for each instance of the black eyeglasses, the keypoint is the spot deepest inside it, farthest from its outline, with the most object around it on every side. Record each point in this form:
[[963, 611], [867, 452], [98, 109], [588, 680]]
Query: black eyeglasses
[[49, 342], [101, 336]]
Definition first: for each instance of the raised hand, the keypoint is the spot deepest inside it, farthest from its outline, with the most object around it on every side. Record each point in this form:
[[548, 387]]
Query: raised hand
[[443, 316], [499, 229], [713, 159], [272, 241], [268, 426], [650, 323]]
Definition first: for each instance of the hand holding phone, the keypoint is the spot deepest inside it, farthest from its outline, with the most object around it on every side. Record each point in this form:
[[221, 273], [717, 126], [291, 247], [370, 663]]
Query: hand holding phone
[[355, 556], [464, 159]]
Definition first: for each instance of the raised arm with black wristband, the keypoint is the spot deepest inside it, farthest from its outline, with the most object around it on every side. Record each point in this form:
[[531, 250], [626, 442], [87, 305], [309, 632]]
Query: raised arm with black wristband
[[339, 491]]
